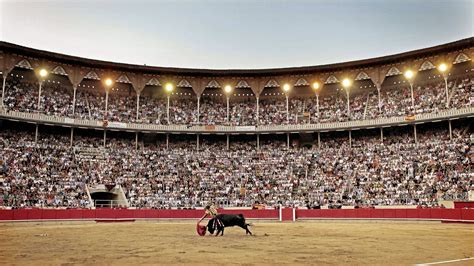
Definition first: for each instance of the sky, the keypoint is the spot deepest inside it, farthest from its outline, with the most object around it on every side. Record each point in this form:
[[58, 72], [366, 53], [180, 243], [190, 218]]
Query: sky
[[230, 34]]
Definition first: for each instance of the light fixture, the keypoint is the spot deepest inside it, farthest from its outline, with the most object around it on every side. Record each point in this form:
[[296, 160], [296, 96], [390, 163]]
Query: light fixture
[[108, 82], [442, 67], [409, 74], [43, 73], [169, 87], [346, 83], [316, 86]]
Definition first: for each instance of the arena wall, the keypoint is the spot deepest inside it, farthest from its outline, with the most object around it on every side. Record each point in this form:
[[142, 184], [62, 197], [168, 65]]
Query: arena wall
[[463, 204], [287, 214]]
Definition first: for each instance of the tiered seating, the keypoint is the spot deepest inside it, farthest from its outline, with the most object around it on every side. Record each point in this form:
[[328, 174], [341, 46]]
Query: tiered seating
[[369, 173]]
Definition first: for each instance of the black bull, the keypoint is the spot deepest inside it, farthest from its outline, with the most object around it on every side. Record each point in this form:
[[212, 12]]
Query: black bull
[[221, 221]]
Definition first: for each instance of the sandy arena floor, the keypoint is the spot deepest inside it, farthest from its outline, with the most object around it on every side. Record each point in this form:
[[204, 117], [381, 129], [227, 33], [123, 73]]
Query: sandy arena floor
[[400, 243]]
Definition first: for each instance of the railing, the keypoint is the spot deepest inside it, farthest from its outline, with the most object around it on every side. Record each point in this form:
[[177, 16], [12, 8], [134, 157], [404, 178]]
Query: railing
[[110, 203], [379, 122]]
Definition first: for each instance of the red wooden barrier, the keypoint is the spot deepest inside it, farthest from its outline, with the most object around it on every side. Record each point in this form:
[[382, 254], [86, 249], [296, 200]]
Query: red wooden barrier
[[428, 214], [287, 214], [463, 204]]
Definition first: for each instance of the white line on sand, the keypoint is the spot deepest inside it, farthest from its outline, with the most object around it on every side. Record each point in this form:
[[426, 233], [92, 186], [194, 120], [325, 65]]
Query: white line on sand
[[443, 262]]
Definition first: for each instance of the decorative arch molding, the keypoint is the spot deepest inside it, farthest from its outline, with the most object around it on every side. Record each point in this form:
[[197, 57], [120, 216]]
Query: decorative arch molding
[[460, 58], [362, 76], [331, 80], [272, 84], [393, 71], [427, 65], [92, 75], [213, 84], [123, 79], [184, 83], [59, 70], [301, 82], [153, 82], [242, 84], [7, 63], [24, 64]]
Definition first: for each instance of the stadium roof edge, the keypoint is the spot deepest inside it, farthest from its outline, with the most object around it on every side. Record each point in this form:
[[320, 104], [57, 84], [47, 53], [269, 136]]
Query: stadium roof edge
[[94, 63]]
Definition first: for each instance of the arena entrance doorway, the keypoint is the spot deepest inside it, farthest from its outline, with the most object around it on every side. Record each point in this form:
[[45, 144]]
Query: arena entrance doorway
[[108, 196]]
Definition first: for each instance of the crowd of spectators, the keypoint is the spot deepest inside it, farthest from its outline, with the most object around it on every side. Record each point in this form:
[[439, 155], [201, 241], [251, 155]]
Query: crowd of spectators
[[367, 173], [56, 99]]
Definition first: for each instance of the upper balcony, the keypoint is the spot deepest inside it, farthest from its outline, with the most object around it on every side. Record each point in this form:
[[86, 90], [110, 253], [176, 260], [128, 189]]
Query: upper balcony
[[412, 87]]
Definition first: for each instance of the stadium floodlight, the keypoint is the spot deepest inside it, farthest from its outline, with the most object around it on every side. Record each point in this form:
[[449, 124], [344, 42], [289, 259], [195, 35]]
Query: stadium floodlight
[[316, 89], [443, 68], [108, 82], [286, 89], [169, 87], [43, 73], [346, 83], [228, 89], [316, 86], [409, 74]]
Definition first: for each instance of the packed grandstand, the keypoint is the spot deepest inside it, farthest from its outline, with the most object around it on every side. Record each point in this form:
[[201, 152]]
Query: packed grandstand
[[342, 135]]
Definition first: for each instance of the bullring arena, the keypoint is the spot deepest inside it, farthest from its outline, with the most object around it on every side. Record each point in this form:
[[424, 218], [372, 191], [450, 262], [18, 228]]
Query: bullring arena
[[365, 162], [170, 242]]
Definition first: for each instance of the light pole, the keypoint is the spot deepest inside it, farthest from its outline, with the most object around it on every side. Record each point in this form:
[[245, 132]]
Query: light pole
[[316, 91], [108, 84], [169, 88], [3, 87], [286, 89], [409, 76], [42, 73], [227, 90], [346, 83], [443, 68]]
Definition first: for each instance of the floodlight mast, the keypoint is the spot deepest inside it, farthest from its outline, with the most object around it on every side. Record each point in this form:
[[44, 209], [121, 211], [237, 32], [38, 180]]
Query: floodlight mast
[[43, 73], [346, 83], [169, 89], [316, 89], [108, 85], [286, 89], [443, 68], [409, 75]]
